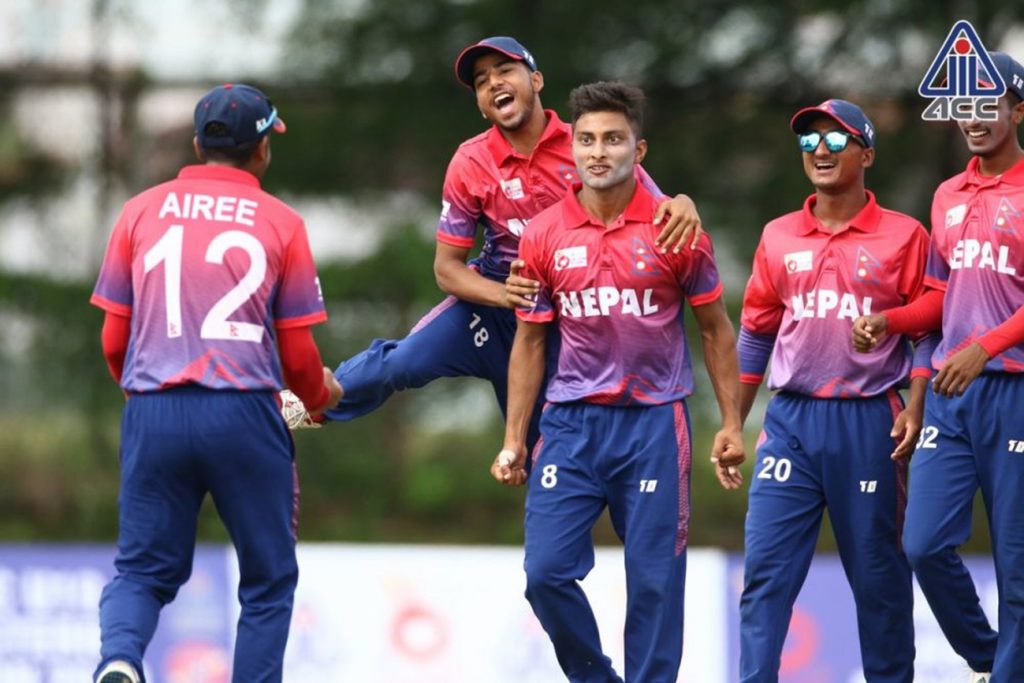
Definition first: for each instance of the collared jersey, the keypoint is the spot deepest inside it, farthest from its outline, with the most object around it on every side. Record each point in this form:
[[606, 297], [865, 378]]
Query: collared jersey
[[206, 266], [809, 284], [618, 302], [977, 258], [490, 184]]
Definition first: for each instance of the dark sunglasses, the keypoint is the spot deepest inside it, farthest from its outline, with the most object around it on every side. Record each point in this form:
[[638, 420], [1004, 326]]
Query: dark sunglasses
[[835, 140]]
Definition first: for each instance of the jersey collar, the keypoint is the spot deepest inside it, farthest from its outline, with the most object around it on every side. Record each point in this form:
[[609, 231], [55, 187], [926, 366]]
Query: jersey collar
[[971, 176], [217, 172], [501, 150], [640, 209], [866, 220]]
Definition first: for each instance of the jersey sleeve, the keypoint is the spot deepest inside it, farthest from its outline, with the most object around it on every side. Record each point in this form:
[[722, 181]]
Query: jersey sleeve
[[113, 291], [762, 306], [648, 182], [460, 206], [299, 301], [699, 278], [533, 255], [911, 281]]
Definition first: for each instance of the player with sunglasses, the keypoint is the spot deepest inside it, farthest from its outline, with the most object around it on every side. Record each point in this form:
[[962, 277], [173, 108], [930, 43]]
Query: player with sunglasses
[[836, 433]]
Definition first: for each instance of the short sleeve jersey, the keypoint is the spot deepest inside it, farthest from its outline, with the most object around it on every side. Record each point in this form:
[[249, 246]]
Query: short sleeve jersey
[[207, 266], [618, 302], [809, 284], [977, 258]]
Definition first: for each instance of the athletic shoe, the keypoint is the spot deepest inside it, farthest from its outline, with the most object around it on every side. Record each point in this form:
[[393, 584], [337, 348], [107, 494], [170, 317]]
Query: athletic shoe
[[119, 671], [980, 677], [294, 412]]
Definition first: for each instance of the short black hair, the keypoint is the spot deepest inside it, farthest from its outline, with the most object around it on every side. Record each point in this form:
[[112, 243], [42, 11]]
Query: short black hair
[[609, 96], [239, 155]]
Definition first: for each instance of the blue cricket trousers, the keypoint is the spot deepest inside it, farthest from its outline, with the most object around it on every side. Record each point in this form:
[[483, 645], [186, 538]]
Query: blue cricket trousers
[[455, 339], [971, 441], [813, 453], [635, 460], [176, 446]]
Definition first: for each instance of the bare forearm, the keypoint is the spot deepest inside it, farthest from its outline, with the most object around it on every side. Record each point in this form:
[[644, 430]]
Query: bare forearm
[[525, 375], [720, 358], [466, 284], [748, 394], [918, 390]]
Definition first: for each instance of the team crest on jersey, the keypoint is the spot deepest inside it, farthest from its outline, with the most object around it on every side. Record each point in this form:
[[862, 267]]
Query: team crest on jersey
[[513, 188], [867, 268], [799, 261], [568, 174], [644, 260], [1007, 217], [571, 257], [955, 216]]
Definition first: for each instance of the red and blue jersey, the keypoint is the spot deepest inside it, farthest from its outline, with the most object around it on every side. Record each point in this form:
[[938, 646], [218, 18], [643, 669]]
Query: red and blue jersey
[[207, 266], [618, 301], [809, 284], [977, 258], [491, 184]]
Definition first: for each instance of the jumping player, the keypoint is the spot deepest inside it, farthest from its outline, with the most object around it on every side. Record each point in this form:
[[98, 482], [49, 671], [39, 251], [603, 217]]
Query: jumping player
[[499, 179], [210, 291], [617, 431], [973, 431], [829, 431]]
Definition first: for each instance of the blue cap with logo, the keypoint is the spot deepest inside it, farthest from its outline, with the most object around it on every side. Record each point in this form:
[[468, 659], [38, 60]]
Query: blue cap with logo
[[846, 114], [1011, 71], [244, 110], [510, 47]]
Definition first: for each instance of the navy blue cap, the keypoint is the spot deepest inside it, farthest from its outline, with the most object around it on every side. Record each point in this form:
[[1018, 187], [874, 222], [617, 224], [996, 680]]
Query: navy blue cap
[[1011, 71], [846, 114], [510, 47], [246, 112]]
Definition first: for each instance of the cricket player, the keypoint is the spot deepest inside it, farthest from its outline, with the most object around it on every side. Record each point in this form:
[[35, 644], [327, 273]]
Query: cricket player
[[836, 434], [210, 291], [616, 432], [973, 433], [499, 179]]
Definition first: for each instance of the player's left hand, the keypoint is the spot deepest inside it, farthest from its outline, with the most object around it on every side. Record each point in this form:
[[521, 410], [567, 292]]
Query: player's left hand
[[682, 224], [727, 454], [520, 292], [906, 427], [509, 466], [960, 370]]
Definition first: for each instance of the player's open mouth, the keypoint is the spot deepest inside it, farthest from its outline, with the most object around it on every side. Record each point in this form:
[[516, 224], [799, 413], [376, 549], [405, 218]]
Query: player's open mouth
[[824, 165], [976, 134], [598, 170], [503, 101]]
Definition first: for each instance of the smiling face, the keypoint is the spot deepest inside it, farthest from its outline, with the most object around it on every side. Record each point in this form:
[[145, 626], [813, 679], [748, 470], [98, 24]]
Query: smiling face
[[605, 148], [991, 138], [507, 92], [836, 171]]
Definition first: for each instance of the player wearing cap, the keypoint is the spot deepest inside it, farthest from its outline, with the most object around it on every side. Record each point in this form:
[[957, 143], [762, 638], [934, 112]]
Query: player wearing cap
[[499, 179], [973, 432], [616, 432], [210, 291], [829, 431]]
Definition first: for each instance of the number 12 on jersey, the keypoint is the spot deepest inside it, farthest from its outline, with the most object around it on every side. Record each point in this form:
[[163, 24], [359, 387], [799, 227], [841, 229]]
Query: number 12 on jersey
[[168, 250]]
